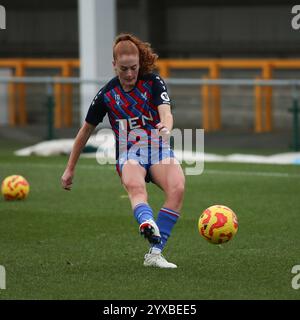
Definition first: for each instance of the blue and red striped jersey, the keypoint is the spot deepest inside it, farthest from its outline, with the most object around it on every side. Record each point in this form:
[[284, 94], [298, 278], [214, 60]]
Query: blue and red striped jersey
[[132, 110]]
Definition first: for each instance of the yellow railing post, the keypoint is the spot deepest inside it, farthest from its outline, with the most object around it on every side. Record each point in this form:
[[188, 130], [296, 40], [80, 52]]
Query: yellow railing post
[[58, 105], [21, 104], [258, 127], [12, 114], [163, 69], [67, 93], [206, 117], [267, 75], [216, 98]]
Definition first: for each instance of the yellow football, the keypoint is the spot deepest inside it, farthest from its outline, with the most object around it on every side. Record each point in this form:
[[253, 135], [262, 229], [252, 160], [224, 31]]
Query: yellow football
[[15, 187], [218, 224]]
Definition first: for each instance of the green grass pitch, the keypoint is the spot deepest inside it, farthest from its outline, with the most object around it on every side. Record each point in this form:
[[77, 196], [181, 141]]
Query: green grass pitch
[[85, 244]]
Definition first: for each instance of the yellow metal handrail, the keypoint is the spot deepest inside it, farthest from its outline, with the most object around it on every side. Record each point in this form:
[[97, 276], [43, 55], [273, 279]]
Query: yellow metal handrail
[[211, 95], [63, 92]]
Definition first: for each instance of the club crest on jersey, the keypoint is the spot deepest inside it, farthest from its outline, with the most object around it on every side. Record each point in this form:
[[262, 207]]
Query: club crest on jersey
[[144, 96], [117, 99]]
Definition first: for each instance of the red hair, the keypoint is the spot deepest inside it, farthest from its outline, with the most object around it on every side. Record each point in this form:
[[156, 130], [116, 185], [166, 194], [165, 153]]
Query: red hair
[[132, 45]]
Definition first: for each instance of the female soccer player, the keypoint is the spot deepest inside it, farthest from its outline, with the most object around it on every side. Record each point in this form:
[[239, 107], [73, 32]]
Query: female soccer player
[[138, 106]]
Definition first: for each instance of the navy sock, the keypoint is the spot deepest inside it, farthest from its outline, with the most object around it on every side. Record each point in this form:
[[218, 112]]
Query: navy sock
[[166, 220], [142, 212]]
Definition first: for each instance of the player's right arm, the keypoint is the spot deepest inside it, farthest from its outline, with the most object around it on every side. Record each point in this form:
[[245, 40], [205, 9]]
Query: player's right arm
[[95, 115], [79, 143]]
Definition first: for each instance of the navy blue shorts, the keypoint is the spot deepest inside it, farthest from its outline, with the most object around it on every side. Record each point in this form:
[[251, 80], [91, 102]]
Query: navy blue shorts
[[146, 157]]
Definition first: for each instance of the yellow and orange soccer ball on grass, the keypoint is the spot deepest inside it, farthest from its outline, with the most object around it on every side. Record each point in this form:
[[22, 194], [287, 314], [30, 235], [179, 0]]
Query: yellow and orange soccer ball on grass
[[15, 187], [218, 224]]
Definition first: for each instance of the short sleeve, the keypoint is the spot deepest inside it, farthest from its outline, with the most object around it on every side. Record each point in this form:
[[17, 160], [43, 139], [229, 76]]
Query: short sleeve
[[97, 110], [160, 92]]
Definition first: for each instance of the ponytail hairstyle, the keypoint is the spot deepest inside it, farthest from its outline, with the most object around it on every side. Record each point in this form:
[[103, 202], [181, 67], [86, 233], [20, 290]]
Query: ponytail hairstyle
[[126, 43]]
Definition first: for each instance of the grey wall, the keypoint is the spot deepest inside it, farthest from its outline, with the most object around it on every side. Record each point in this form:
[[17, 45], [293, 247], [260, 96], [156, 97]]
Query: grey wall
[[175, 28], [231, 31], [40, 29]]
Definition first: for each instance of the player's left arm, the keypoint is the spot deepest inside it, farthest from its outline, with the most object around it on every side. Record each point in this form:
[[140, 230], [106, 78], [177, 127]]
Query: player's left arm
[[163, 102], [166, 118]]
